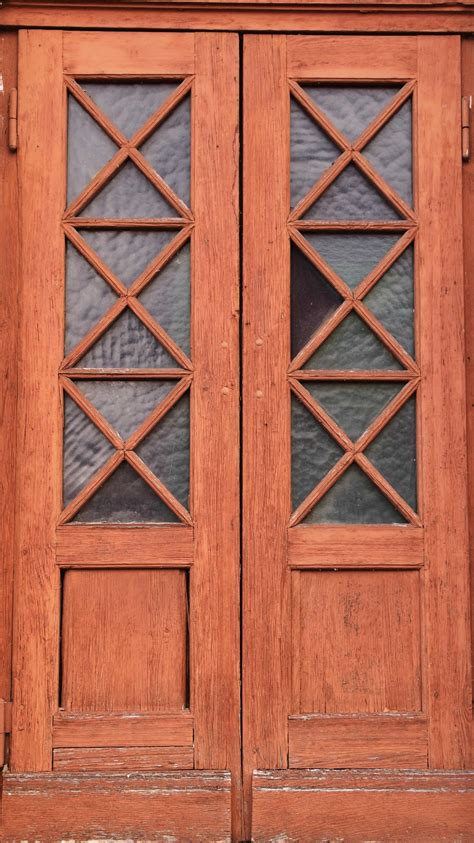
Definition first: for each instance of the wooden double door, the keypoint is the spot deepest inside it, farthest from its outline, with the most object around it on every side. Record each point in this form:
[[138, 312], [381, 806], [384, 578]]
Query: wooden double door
[[241, 582]]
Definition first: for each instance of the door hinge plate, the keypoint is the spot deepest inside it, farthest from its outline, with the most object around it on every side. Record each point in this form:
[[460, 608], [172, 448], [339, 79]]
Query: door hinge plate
[[13, 120], [466, 107], [5, 727]]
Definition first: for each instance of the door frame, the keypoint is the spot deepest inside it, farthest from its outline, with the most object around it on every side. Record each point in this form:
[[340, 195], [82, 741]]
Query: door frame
[[411, 16]]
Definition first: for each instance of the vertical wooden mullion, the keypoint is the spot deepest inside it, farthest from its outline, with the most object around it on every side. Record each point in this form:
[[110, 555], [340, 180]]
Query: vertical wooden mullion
[[215, 618], [42, 177], [443, 456], [266, 407]]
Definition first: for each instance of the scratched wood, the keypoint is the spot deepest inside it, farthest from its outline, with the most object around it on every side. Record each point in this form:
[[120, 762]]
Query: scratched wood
[[78, 729], [117, 758]]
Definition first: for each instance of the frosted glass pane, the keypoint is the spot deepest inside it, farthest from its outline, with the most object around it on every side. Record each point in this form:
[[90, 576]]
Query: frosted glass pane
[[353, 404], [127, 252], [125, 403], [89, 148], [127, 344], [351, 108], [392, 302], [313, 452], [85, 450], [352, 346], [125, 498], [311, 152], [313, 299], [393, 452], [390, 152], [352, 255], [354, 499], [88, 297], [167, 298], [168, 150], [129, 195], [351, 197], [129, 104], [166, 450]]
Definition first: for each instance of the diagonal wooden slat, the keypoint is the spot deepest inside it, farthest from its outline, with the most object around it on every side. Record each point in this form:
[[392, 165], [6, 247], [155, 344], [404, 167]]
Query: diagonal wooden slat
[[383, 187], [158, 487], [160, 261], [158, 413], [94, 334], [319, 116], [92, 412], [387, 261], [142, 134], [166, 341], [89, 105], [326, 483], [386, 337], [160, 184], [342, 288], [320, 336], [321, 415], [91, 487], [384, 116], [328, 177], [108, 171], [94, 259], [386, 415], [393, 496]]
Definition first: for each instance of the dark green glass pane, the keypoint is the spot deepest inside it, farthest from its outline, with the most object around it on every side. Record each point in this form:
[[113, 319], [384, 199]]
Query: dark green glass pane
[[392, 302], [351, 108], [168, 150], [89, 148], [167, 298], [85, 450], [393, 452], [313, 299], [390, 153], [88, 297], [354, 499], [127, 252], [129, 104], [166, 450], [352, 346], [351, 197], [125, 404], [125, 499], [129, 195], [311, 152], [313, 452], [352, 255], [353, 405], [127, 344]]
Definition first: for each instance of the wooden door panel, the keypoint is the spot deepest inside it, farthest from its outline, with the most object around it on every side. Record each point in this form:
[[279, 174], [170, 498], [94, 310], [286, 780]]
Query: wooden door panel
[[354, 445]]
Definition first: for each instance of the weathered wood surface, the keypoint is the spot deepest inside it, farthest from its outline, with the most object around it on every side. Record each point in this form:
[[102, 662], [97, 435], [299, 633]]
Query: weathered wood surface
[[71, 729]]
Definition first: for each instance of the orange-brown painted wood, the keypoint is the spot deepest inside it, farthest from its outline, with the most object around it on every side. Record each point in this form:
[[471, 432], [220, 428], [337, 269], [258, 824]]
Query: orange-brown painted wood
[[313, 546], [117, 758], [195, 804], [94, 546], [77, 729]]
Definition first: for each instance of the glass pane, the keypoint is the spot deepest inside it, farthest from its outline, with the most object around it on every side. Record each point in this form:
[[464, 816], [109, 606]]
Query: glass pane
[[88, 297], [129, 195], [353, 405], [129, 104], [125, 498], [311, 152], [168, 149], [351, 197], [167, 298], [85, 449], [127, 344], [89, 148], [313, 452], [393, 452], [352, 255], [391, 300], [354, 499], [351, 108], [127, 253], [313, 299], [352, 346], [125, 404], [166, 450], [390, 152]]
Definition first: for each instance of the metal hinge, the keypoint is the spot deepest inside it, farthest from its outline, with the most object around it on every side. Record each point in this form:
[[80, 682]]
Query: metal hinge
[[13, 120], [5, 728], [466, 106]]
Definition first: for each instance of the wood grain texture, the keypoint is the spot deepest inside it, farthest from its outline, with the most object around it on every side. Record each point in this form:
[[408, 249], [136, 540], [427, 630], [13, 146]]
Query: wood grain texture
[[358, 741], [358, 641], [136, 53], [195, 805], [41, 105], [9, 267], [443, 441], [117, 758], [214, 582], [94, 545], [266, 398], [75, 729], [314, 806], [124, 640], [361, 57], [326, 545]]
